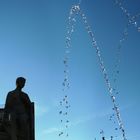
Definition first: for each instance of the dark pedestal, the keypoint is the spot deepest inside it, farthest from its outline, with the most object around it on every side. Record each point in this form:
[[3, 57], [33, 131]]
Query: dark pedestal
[[4, 136]]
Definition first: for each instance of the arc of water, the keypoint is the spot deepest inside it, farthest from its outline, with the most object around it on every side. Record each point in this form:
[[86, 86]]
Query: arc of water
[[106, 78], [75, 10], [116, 71], [132, 19]]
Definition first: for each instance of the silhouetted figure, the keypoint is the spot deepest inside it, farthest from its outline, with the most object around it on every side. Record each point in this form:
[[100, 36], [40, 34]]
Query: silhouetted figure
[[18, 107]]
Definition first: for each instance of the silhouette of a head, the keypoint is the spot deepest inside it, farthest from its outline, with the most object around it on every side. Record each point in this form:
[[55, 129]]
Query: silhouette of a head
[[20, 82]]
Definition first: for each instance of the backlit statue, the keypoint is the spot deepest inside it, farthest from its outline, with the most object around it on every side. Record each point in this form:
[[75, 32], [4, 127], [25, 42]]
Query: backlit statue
[[17, 108]]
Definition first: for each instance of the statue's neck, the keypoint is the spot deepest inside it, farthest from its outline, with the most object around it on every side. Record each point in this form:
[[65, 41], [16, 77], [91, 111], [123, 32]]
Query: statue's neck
[[18, 89]]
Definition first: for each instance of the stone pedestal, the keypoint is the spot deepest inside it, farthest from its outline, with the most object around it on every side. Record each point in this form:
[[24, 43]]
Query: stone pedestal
[[4, 135]]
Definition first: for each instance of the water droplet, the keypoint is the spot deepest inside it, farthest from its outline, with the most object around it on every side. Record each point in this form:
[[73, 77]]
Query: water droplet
[[138, 29], [61, 133], [135, 24], [116, 129], [67, 107], [63, 83], [60, 112], [117, 71], [67, 135], [64, 61], [67, 121]]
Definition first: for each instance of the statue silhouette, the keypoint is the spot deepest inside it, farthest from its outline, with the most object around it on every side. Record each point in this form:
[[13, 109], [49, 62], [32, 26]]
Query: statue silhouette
[[18, 107]]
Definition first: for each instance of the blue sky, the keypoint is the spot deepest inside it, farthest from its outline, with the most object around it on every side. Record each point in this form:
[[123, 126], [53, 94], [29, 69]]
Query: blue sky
[[32, 44]]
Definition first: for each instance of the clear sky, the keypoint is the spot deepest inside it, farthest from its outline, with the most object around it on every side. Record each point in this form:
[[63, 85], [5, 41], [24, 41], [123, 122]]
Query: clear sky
[[32, 45]]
